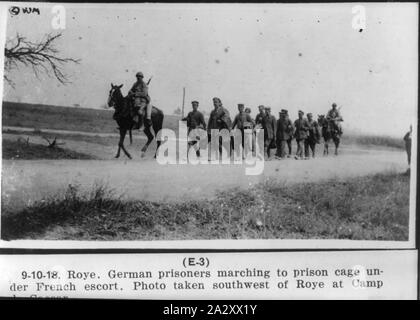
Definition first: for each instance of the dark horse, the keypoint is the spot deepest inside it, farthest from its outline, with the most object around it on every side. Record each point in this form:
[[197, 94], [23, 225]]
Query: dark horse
[[124, 118], [329, 132]]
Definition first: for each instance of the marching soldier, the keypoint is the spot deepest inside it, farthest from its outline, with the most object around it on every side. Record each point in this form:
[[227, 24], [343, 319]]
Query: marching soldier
[[219, 119], [142, 102], [301, 134], [283, 134], [259, 119], [195, 120], [242, 121], [334, 115], [314, 136], [269, 131]]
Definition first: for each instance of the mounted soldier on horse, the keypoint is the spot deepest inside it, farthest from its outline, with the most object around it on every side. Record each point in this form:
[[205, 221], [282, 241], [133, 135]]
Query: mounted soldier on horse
[[130, 112], [142, 107]]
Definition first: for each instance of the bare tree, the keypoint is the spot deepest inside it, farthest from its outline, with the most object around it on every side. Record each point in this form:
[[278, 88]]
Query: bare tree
[[41, 56]]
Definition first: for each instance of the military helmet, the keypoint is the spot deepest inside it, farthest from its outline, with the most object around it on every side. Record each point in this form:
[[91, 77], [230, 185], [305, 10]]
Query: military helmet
[[139, 74]]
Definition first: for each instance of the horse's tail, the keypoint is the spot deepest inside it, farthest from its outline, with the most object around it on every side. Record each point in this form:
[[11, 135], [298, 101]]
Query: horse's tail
[[157, 110]]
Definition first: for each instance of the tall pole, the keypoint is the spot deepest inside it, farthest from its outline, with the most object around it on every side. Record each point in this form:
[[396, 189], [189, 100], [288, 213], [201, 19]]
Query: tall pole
[[183, 101]]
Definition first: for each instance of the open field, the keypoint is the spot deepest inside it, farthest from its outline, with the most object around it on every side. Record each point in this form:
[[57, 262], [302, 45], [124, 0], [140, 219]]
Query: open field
[[65, 118], [24, 150], [374, 207]]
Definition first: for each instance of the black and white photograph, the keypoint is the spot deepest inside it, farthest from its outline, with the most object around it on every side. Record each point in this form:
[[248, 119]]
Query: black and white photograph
[[228, 125]]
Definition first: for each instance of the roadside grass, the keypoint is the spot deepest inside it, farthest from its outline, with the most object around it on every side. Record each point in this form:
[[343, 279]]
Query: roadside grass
[[372, 140], [22, 150], [374, 207]]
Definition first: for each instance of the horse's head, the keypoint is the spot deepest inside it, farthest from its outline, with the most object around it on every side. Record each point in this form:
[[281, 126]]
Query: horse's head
[[115, 96], [321, 119]]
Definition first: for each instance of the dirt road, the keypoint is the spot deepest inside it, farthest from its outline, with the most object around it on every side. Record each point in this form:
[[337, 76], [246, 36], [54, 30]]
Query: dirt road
[[28, 181]]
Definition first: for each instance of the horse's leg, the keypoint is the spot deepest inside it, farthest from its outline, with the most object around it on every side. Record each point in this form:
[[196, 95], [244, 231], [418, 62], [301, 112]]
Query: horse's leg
[[130, 133], [326, 147], [157, 126], [337, 143], [123, 132], [150, 137], [119, 143], [118, 152]]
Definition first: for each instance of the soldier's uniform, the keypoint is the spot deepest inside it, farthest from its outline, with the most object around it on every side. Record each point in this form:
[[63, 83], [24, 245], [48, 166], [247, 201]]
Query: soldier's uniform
[[290, 132], [195, 120], [270, 129], [242, 121], [219, 119], [301, 134], [142, 102], [284, 134], [259, 119], [314, 136], [335, 116]]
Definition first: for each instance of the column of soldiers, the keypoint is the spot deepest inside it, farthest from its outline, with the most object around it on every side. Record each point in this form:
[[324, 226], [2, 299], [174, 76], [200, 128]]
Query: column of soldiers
[[278, 134]]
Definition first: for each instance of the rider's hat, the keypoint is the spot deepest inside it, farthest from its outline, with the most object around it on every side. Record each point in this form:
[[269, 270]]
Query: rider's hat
[[284, 111], [241, 105], [267, 108], [334, 104], [194, 102], [139, 74], [301, 112], [309, 114]]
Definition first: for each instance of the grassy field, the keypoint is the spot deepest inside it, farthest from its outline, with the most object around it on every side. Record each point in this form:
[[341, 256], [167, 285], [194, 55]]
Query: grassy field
[[368, 208], [22, 150], [65, 118], [375, 141]]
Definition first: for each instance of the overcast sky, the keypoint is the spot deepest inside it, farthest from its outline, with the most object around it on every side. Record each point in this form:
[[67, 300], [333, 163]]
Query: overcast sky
[[292, 56]]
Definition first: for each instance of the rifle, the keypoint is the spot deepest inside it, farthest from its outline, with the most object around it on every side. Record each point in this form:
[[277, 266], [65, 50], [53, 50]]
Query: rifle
[[150, 79]]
